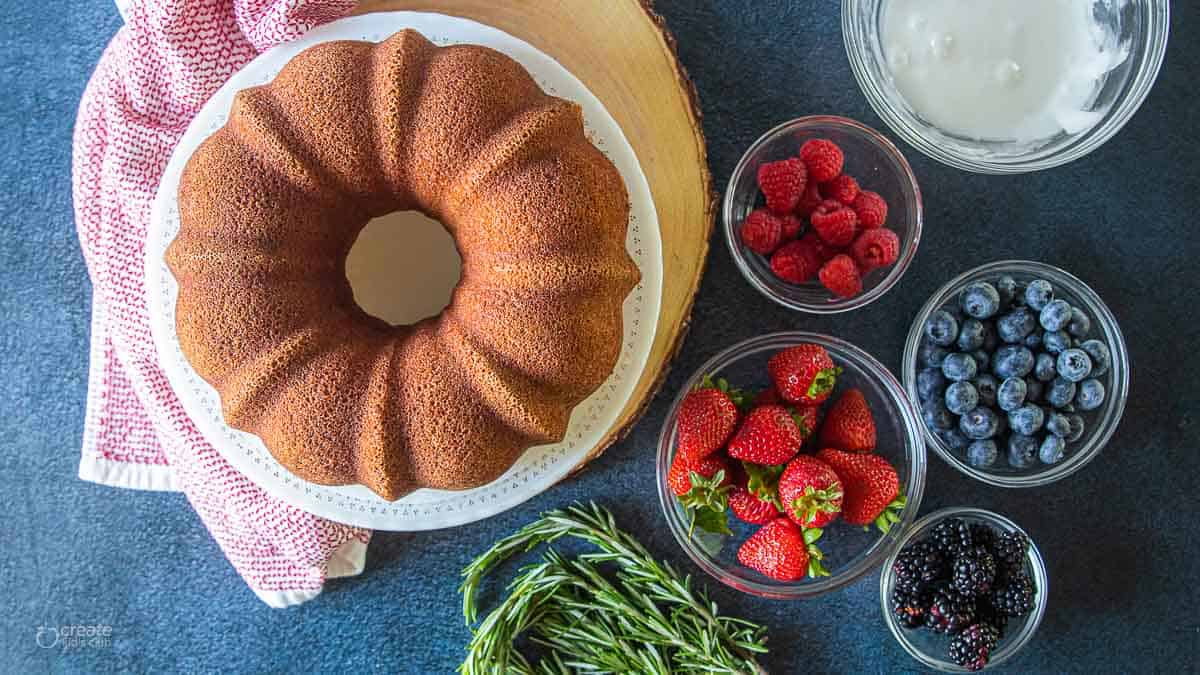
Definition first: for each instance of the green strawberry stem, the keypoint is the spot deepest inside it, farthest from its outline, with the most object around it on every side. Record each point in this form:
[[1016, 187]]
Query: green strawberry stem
[[706, 503], [890, 514], [815, 556], [764, 481], [813, 501], [823, 382], [741, 398]]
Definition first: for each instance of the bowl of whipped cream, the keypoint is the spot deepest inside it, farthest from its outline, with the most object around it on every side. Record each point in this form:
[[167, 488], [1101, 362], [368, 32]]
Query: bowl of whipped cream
[[1006, 86]]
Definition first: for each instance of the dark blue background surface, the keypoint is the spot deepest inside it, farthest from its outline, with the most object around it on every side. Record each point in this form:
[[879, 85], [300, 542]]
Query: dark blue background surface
[[1119, 537]]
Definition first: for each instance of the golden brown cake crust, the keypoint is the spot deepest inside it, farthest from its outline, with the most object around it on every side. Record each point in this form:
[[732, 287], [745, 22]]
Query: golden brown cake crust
[[271, 203]]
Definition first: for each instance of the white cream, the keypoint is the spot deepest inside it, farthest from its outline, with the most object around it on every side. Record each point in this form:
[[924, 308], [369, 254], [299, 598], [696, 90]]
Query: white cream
[[1005, 70]]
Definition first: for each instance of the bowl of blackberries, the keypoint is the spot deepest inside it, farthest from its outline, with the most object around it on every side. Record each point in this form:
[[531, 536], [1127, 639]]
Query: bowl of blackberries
[[965, 590], [1020, 372]]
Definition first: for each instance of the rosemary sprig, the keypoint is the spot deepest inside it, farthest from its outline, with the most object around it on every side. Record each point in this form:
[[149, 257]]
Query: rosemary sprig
[[646, 618]]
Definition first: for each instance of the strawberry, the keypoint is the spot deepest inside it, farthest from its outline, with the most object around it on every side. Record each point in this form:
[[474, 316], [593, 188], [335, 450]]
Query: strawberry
[[781, 551], [749, 508], [782, 183], [823, 158], [810, 491], [849, 425], [762, 231], [707, 417], [835, 223], [769, 435], [843, 188], [840, 275], [808, 418], [702, 488], [803, 374], [871, 485]]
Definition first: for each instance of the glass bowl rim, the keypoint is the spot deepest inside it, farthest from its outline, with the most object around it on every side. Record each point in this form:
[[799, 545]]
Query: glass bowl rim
[[914, 213], [914, 481], [1103, 317], [1032, 621]]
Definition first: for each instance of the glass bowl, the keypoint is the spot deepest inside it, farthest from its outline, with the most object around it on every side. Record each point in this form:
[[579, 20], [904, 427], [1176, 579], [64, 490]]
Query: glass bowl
[[877, 165], [930, 648], [1101, 423], [1140, 27], [850, 551]]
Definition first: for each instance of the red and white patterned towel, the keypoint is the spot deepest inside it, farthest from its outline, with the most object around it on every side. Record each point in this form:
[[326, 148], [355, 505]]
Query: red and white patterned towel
[[155, 75]]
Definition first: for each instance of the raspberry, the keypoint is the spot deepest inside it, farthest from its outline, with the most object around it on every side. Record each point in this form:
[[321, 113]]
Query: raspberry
[[810, 200], [823, 158], [840, 275], [835, 224], [822, 250], [843, 188], [762, 232], [795, 262], [782, 183], [791, 227], [875, 248], [871, 209]]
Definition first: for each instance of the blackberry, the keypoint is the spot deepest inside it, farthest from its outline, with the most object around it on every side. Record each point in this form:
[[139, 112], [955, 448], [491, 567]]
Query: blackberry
[[972, 648], [986, 612], [974, 572], [918, 565], [1009, 552], [950, 611], [1015, 597], [910, 605], [983, 535], [951, 537]]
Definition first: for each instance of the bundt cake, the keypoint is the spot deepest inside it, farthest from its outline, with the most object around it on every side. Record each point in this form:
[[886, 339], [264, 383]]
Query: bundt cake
[[271, 203]]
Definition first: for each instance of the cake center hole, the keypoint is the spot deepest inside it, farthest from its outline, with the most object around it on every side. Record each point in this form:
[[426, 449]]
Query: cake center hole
[[403, 267]]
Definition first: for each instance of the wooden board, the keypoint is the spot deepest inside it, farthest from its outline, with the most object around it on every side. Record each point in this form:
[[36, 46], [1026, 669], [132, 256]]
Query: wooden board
[[624, 54]]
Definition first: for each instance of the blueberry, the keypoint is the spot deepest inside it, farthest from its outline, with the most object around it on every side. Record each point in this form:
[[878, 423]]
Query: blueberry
[[930, 383], [1056, 342], [959, 367], [1006, 286], [981, 360], [1014, 326], [1101, 357], [981, 454], [1061, 392], [1058, 424], [1080, 324], [1068, 408], [1077, 427], [1051, 451], [941, 328], [986, 386], [1012, 361], [1044, 368], [1090, 395], [951, 439], [1011, 394], [1033, 389], [932, 355], [1074, 364], [979, 424], [980, 300], [1038, 294], [961, 397], [1027, 419], [1022, 450], [990, 339], [1056, 315], [970, 335], [1033, 341], [937, 416]]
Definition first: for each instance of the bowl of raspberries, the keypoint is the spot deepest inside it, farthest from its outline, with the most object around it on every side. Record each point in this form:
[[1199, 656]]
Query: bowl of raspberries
[[790, 465], [822, 214], [965, 590], [1020, 371]]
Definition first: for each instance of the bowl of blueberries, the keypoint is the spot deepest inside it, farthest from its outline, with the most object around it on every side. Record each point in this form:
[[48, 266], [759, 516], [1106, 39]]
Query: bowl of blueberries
[[1020, 372]]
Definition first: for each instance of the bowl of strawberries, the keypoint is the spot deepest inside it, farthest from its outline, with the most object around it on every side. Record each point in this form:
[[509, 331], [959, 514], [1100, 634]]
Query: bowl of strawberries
[[823, 214], [790, 465]]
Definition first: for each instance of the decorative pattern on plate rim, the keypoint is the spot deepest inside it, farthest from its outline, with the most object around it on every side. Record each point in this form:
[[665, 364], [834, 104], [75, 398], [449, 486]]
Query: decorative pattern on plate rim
[[540, 466]]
